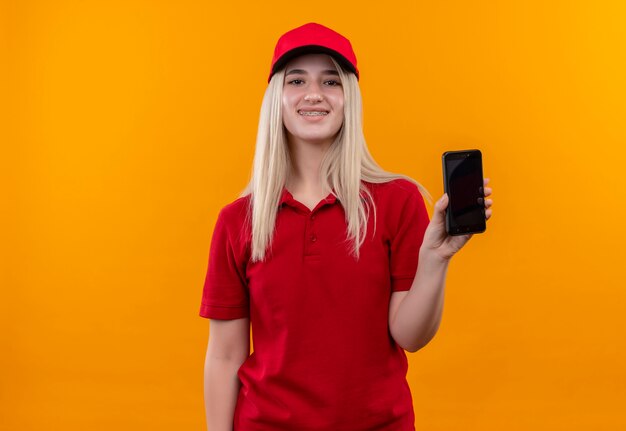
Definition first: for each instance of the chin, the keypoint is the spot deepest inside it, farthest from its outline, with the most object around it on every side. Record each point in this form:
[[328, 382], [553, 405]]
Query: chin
[[320, 137], [313, 135]]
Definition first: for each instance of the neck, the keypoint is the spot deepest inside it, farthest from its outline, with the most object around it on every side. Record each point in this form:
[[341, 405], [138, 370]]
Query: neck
[[306, 158]]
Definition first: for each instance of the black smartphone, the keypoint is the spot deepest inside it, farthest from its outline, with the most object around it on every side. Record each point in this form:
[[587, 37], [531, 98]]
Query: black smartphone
[[463, 182]]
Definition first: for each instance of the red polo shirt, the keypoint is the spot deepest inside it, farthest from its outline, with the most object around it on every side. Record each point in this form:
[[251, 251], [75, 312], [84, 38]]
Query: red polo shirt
[[323, 357]]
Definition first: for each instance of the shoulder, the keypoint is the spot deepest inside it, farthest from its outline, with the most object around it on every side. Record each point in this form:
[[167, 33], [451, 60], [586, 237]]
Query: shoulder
[[236, 209], [233, 216], [399, 201], [403, 186], [395, 192]]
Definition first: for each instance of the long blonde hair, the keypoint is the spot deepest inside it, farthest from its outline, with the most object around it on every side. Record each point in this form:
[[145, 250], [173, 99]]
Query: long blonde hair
[[345, 165]]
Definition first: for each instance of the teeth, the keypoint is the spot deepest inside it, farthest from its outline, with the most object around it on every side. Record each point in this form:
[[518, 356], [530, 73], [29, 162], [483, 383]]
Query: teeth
[[313, 113]]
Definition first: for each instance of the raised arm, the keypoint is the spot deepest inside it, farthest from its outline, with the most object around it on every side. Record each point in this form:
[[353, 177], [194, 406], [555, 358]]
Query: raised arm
[[415, 316]]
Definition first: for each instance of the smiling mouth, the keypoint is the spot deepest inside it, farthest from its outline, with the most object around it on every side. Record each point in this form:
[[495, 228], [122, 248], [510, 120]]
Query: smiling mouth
[[313, 113]]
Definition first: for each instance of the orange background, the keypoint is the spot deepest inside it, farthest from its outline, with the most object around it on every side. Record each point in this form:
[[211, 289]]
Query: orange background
[[127, 125]]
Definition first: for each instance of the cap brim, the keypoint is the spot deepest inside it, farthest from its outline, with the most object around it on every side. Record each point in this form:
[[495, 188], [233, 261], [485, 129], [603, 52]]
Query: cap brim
[[312, 49]]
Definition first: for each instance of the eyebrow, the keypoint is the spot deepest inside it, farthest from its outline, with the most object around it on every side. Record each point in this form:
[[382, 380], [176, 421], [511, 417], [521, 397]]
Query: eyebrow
[[303, 72]]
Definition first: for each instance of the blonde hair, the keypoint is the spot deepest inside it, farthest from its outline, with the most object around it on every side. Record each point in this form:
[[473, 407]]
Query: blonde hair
[[345, 165]]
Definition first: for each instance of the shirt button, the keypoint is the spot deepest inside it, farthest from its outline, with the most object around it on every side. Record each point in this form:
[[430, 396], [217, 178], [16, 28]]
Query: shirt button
[[313, 217], [313, 238]]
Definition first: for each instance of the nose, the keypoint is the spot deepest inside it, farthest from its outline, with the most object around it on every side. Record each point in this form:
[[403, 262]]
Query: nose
[[313, 97], [313, 93]]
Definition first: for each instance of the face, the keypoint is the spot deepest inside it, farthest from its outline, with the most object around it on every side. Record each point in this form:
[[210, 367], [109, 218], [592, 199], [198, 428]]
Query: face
[[312, 99]]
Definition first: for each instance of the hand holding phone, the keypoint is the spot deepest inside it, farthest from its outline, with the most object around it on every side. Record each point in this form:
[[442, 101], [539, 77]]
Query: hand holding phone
[[463, 183]]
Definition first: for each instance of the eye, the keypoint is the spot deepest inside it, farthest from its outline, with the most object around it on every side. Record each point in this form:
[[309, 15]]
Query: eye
[[335, 83], [294, 80]]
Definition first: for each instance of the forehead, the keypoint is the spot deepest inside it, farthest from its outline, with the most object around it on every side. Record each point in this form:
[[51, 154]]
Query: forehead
[[312, 62]]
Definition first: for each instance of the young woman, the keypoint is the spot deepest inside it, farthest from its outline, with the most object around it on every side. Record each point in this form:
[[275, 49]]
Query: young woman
[[332, 261]]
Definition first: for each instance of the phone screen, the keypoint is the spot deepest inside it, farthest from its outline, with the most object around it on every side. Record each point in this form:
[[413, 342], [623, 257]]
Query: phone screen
[[464, 185]]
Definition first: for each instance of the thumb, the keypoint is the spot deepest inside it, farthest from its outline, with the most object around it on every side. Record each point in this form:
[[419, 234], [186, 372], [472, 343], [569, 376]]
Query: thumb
[[439, 212]]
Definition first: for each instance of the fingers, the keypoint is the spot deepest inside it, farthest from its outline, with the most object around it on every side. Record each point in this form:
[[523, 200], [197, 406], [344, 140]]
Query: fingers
[[486, 189], [488, 202]]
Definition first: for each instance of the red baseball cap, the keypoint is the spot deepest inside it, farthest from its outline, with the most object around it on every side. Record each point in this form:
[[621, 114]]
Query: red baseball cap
[[313, 38]]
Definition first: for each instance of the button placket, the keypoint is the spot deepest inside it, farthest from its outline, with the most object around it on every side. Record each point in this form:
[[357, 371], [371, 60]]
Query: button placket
[[311, 235]]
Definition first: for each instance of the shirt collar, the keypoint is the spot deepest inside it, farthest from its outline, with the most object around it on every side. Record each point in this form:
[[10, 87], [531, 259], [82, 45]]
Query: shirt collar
[[287, 197]]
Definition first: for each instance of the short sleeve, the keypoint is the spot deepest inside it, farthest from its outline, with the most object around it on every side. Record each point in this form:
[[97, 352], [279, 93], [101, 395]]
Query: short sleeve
[[405, 245], [225, 293]]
